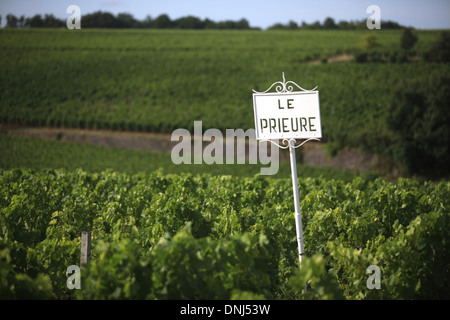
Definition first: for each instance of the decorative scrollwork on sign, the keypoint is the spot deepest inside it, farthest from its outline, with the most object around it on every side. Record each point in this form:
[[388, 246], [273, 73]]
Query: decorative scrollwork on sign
[[284, 86], [286, 143]]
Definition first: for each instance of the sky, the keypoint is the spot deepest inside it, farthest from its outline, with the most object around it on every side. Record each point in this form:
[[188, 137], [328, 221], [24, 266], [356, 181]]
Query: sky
[[420, 14]]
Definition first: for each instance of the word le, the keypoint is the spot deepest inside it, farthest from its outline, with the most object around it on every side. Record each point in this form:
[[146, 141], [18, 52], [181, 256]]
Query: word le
[[214, 151], [74, 21], [373, 282], [374, 21], [73, 281], [235, 310]]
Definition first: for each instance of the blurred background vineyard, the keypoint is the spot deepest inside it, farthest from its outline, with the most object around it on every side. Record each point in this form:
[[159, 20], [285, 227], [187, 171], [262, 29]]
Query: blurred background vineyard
[[387, 98]]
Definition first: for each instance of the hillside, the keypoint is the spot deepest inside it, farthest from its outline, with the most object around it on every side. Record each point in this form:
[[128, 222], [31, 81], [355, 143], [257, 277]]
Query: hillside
[[160, 80]]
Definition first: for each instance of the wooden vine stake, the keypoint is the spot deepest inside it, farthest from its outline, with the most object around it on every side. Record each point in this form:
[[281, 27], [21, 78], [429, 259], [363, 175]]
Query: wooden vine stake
[[85, 247]]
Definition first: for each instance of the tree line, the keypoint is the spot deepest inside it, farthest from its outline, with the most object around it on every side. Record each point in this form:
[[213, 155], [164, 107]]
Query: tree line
[[101, 19], [330, 24]]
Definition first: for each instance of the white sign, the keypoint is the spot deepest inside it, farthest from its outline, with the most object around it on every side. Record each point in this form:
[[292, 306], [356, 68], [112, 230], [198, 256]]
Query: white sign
[[286, 115]]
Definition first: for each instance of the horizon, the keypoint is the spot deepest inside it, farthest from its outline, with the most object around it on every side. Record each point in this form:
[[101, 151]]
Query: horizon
[[416, 14]]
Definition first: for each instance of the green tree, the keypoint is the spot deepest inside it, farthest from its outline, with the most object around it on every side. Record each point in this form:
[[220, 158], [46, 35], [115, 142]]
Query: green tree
[[242, 24], [50, 21], [35, 22], [99, 20], [420, 118], [209, 24], [408, 40], [21, 22], [147, 22], [292, 25], [440, 51], [125, 20], [329, 23], [189, 22], [11, 21], [163, 22]]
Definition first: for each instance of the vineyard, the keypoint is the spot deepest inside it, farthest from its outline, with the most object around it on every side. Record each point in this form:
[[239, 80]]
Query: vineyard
[[188, 236], [161, 80], [206, 232], [37, 154]]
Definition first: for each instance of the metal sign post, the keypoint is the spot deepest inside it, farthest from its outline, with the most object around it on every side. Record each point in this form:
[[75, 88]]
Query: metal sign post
[[288, 115], [298, 216]]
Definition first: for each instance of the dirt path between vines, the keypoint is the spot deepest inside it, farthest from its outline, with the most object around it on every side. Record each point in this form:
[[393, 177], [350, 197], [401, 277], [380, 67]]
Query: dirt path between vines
[[342, 57], [313, 153]]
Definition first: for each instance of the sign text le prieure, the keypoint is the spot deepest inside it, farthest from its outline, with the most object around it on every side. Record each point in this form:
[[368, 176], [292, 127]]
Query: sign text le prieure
[[285, 115]]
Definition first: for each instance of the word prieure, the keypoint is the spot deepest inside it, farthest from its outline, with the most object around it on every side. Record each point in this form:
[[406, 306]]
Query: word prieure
[[300, 124], [288, 124]]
